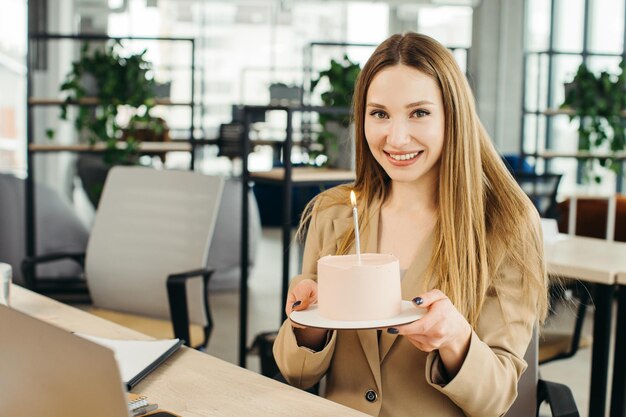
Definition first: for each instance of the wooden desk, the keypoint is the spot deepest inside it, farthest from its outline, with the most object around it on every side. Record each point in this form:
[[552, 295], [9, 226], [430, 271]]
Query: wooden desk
[[305, 175], [597, 262], [592, 260], [172, 146], [190, 383]]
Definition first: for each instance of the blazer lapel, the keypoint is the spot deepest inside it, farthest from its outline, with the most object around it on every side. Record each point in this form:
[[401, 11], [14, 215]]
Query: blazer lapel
[[369, 344], [340, 227]]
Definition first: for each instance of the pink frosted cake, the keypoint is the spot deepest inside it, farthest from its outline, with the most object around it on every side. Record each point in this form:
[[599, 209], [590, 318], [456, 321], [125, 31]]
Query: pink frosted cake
[[350, 291]]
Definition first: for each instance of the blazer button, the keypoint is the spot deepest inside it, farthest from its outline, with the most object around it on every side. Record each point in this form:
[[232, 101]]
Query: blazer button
[[371, 395]]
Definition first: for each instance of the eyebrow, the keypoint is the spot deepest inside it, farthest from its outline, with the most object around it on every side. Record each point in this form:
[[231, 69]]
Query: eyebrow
[[408, 106]]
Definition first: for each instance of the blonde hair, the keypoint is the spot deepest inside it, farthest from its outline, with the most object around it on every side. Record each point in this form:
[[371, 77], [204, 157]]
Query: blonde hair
[[478, 200]]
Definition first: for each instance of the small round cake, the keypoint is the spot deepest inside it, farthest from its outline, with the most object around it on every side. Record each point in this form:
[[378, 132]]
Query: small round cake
[[353, 291]]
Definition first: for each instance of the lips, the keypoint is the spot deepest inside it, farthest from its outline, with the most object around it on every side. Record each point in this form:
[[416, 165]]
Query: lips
[[403, 158]]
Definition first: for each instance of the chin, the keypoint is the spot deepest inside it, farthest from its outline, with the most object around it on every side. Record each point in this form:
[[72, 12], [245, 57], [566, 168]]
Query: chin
[[404, 176]]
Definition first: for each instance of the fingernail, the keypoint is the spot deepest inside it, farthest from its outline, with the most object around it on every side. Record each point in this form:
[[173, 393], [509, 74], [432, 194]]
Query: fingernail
[[296, 304], [392, 330], [418, 300]]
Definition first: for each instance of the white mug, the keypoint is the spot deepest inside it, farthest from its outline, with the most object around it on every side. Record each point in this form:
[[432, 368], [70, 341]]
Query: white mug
[[6, 276]]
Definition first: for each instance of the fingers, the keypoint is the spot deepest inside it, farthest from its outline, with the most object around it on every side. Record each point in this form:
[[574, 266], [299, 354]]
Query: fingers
[[428, 298], [420, 326], [301, 296], [437, 304], [304, 294]]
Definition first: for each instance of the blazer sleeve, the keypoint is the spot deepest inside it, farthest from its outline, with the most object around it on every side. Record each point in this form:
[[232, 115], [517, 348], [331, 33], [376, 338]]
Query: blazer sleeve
[[486, 384], [301, 366]]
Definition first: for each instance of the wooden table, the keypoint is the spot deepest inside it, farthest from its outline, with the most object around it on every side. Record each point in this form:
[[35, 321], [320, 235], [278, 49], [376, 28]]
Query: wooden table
[[190, 383], [306, 176], [597, 262]]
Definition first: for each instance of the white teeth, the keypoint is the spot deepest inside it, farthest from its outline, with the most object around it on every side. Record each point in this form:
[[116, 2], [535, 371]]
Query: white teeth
[[404, 157]]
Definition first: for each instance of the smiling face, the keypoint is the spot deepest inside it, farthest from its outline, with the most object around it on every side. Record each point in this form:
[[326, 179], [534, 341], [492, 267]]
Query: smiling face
[[404, 123]]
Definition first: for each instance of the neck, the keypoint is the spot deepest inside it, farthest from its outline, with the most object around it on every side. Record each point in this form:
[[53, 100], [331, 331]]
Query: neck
[[413, 196]]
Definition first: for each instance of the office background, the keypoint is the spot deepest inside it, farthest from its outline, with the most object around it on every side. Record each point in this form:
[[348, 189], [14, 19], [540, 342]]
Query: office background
[[517, 55]]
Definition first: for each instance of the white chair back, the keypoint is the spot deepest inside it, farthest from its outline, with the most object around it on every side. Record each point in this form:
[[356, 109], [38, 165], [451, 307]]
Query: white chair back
[[150, 224]]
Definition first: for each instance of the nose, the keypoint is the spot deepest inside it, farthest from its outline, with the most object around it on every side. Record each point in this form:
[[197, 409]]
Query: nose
[[399, 134]]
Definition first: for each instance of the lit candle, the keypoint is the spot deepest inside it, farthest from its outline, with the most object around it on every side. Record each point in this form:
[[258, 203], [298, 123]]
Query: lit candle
[[355, 215]]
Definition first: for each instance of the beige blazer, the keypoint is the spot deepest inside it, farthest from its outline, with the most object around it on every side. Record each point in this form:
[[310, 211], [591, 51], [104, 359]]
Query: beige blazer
[[391, 377]]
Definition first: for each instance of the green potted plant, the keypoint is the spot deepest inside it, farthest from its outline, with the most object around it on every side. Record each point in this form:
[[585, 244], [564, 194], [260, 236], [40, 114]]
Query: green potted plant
[[101, 82], [341, 78], [598, 103]]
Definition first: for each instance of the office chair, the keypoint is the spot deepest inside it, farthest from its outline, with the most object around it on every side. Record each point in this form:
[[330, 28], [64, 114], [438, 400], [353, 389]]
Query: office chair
[[148, 245], [562, 345], [230, 139], [591, 217], [532, 391], [542, 190]]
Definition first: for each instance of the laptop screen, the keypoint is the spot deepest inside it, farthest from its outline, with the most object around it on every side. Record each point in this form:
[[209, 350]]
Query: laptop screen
[[48, 371]]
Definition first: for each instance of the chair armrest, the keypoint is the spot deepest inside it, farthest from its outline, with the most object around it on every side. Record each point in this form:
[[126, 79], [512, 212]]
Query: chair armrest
[[560, 398], [29, 264], [177, 297]]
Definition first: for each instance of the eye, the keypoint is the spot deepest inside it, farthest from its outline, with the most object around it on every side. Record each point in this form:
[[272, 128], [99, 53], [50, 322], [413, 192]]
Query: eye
[[420, 113], [378, 114]]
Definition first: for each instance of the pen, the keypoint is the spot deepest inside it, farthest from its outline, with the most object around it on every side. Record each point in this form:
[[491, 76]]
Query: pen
[[144, 409]]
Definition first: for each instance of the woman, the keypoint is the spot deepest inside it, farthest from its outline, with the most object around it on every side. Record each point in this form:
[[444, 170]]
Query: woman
[[434, 192]]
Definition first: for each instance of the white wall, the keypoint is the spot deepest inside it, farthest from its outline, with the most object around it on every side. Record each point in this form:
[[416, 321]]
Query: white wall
[[495, 69], [53, 169]]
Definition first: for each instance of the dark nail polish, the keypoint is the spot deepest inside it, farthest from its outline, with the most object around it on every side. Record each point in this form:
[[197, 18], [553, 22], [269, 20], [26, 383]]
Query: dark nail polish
[[296, 304], [392, 330], [418, 300]]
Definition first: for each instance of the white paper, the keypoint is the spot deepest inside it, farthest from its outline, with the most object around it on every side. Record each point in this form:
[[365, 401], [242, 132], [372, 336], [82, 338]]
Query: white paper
[[133, 356]]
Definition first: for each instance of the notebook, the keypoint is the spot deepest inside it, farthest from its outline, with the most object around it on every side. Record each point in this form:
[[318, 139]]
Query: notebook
[[47, 371], [137, 358]]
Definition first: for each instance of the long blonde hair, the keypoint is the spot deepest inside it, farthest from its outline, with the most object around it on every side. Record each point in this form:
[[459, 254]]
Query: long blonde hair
[[478, 200]]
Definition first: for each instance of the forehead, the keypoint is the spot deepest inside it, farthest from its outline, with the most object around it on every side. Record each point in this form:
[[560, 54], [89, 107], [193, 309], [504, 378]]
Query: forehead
[[404, 84]]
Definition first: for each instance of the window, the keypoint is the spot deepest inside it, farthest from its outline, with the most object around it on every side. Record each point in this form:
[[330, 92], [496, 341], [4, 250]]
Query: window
[[560, 34], [13, 87]]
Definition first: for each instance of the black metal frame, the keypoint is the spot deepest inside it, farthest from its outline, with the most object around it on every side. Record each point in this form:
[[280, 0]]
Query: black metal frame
[[618, 390], [177, 297], [29, 194], [74, 285], [560, 398], [602, 325], [287, 184], [176, 293]]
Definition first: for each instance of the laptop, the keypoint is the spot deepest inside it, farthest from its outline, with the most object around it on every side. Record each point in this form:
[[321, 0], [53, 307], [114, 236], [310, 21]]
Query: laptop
[[48, 371]]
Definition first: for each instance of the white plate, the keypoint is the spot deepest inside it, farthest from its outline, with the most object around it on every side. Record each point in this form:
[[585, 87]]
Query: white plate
[[311, 318]]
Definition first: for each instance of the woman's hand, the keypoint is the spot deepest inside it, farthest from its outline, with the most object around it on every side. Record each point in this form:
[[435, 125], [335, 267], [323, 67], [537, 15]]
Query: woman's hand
[[442, 328], [300, 297]]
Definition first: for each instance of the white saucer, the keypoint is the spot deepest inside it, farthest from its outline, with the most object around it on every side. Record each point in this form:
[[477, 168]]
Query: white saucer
[[311, 318]]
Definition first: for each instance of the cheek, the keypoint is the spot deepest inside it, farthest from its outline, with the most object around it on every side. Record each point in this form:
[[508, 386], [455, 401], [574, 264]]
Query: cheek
[[373, 134], [431, 135]]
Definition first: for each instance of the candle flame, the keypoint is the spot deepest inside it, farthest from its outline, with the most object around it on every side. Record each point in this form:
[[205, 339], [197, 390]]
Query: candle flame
[[353, 198]]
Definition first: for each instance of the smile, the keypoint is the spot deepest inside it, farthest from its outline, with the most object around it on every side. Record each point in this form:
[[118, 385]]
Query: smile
[[405, 156]]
